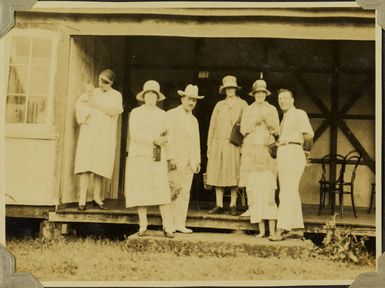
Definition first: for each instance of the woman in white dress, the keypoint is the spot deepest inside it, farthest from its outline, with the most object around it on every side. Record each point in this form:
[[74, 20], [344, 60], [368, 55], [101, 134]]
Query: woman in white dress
[[146, 181], [259, 125], [97, 113]]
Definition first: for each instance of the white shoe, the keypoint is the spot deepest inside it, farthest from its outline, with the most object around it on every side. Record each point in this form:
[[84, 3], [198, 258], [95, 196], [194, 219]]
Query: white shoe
[[184, 230], [246, 213]]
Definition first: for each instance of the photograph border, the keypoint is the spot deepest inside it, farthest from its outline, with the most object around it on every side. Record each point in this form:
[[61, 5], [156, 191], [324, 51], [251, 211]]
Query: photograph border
[[8, 8]]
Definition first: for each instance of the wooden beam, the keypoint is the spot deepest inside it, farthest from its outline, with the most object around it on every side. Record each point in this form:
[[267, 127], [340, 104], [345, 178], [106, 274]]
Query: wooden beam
[[321, 129], [306, 86], [23, 211], [334, 110], [358, 117], [358, 93], [243, 68], [345, 116], [357, 145]]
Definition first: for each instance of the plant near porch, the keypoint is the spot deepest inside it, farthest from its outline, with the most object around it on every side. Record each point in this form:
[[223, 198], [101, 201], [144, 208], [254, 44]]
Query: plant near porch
[[341, 245]]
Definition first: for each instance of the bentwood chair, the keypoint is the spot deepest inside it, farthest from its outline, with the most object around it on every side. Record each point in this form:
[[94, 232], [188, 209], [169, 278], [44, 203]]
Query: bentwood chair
[[328, 185], [345, 185]]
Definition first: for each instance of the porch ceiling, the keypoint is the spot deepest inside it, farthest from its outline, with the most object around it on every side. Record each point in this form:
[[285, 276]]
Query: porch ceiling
[[306, 23]]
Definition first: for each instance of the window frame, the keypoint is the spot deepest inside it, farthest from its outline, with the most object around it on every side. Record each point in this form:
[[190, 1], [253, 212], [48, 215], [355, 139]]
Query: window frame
[[33, 130]]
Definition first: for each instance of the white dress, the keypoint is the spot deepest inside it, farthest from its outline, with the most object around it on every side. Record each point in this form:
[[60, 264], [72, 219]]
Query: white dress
[[146, 180], [96, 145], [261, 187]]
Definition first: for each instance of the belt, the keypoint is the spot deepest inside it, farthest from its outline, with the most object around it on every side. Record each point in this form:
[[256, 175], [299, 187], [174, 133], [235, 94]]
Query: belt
[[289, 143]]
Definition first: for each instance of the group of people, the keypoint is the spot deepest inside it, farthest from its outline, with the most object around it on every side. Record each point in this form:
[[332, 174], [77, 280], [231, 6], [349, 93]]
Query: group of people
[[164, 153]]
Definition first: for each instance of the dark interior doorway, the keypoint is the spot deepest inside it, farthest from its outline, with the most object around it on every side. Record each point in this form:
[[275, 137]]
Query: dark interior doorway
[[308, 67]]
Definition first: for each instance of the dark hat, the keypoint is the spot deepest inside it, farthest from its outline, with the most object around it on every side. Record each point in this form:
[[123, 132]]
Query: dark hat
[[108, 75]]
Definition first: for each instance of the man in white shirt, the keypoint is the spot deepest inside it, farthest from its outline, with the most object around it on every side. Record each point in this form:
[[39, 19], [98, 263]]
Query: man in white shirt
[[184, 132], [294, 144]]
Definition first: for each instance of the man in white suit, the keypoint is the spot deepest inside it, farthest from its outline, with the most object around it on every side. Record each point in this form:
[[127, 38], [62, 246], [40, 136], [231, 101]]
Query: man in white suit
[[184, 132]]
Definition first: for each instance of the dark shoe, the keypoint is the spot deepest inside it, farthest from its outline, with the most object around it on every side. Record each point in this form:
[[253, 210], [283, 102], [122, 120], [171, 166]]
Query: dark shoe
[[99, 206], [216, 210], [294, 234], [82, 208], [233, 210]]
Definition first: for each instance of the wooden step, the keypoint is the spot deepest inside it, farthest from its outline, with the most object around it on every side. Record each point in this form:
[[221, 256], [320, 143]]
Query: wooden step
[[218, 244]]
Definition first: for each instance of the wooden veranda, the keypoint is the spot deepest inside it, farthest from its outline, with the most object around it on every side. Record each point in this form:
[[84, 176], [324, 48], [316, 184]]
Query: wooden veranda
[[198, 217]]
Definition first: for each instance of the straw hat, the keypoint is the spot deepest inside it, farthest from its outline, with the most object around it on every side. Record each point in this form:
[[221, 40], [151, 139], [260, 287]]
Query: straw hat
[[259, 85], [150, 85], [228, 81], [190, 91]]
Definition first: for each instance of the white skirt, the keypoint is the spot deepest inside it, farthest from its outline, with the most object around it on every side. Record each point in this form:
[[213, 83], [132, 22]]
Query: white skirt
[[261, 188], [146, 182]]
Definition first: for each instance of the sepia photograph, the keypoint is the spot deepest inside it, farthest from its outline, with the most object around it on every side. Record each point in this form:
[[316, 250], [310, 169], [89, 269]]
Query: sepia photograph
[[192, 143]]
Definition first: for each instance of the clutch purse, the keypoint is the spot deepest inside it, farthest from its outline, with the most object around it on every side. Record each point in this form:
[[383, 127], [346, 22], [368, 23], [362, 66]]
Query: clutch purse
[[273, 150], [236, 136]]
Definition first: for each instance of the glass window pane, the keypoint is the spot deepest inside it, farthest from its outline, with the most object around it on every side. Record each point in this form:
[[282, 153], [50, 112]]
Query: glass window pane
[[18, 80], [39, 80], [20, 50], [41, 51], [15, 109], [37, 110]]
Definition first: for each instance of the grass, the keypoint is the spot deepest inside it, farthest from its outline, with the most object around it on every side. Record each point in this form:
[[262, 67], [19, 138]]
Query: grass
[[90, 259]]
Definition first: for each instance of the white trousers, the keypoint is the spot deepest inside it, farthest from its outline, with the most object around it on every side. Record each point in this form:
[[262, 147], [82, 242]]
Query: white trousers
[[291, 164], [179, 206], [164, 213]]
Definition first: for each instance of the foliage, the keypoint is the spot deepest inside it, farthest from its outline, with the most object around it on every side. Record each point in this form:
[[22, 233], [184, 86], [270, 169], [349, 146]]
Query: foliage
[[94, 259], [340, 244]]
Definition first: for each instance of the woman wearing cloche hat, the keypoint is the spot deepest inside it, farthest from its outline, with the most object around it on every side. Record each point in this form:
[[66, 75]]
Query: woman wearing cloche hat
[[97, 113], [146, 181], [259, 125], [224, 157]]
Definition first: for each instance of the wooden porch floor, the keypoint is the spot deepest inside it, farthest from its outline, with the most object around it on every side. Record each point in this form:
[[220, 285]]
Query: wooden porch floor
[[198, 217]]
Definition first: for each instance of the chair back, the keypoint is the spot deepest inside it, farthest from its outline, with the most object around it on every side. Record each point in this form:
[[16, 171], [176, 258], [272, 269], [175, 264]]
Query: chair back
[[354, 158], [327, 161]]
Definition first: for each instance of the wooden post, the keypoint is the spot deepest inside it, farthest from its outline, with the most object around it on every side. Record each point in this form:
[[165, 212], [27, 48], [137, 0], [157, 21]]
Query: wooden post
[[334, 118]]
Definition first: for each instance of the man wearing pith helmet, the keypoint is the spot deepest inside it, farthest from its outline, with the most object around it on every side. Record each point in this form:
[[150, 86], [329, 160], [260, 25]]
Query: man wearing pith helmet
[[184, 132]]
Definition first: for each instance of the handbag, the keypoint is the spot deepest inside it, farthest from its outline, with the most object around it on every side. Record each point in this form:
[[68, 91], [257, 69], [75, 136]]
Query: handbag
[[273, 150], [236, 136], [273, 147]]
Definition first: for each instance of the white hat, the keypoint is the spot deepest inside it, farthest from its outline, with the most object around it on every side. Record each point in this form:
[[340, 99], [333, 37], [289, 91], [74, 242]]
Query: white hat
[[228, 81], [259, 85], [190, 91], [150, 85]]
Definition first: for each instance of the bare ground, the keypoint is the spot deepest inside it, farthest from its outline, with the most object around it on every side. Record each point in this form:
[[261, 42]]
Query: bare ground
[[109, 260]]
